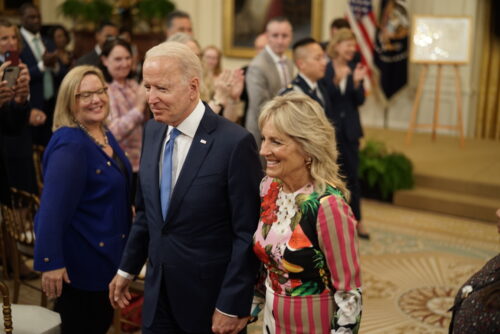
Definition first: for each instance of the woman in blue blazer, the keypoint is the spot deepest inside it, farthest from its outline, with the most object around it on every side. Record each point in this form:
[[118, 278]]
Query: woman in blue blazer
[[344, 81], [85, 211]]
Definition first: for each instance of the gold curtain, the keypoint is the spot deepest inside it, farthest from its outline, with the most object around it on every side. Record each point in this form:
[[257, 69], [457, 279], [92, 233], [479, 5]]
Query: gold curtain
[[488, 108]]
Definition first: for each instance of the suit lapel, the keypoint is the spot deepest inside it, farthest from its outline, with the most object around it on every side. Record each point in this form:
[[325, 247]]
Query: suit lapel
[[202, 142]]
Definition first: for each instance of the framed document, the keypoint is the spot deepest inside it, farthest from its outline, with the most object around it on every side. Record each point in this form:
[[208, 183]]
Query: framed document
[[441, 39]]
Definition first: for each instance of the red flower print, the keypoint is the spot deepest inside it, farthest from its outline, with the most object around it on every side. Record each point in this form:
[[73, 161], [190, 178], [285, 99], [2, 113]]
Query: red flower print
[[268, 206], [261, 253]]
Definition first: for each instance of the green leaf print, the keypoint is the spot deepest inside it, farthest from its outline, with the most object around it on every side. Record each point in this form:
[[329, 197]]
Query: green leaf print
[[307, 289]]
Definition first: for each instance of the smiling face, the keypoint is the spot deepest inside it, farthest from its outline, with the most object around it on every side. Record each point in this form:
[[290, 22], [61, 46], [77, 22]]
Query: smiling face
[[346, 49], [91, 102], [170, 94], [118, 63], [8, 39], [285, 159]]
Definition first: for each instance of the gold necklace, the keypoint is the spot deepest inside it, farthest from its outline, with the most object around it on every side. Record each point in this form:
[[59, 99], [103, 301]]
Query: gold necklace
[[106, 142]]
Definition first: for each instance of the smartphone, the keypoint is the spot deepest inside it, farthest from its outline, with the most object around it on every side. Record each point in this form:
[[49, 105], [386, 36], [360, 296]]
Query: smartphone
[[13, 57], [10, 75]]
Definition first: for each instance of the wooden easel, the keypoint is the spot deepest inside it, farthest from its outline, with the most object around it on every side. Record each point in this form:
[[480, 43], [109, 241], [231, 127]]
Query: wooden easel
[[435, 121]]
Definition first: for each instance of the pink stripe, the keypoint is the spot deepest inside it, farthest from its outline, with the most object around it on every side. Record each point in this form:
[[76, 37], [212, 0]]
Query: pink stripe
[[310, 315], [325, 234], [354, 253], [276, 314], [286, 315], [325, 315], [297, 314], [342, 243]]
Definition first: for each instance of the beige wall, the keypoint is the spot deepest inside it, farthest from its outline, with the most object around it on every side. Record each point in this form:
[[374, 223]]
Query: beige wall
[[207, 16]]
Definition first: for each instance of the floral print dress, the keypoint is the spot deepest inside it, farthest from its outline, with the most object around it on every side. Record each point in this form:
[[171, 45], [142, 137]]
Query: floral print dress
[[307, 243]]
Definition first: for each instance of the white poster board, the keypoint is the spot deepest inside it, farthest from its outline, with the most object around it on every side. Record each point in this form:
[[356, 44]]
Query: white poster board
[[440, 39]]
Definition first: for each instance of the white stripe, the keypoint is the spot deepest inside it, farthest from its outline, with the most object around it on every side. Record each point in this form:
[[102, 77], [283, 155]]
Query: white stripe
[[365, 49], [369, 27]]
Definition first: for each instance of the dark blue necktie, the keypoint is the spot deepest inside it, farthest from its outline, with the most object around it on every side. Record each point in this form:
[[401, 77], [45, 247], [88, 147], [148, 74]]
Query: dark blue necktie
[[166, 172]]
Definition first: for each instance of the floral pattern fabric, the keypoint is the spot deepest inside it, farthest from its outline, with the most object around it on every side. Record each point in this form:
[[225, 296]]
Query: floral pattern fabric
[[307, 243]]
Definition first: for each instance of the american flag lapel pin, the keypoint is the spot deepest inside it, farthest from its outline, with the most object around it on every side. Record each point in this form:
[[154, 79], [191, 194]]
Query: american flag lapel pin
[[203, 141]]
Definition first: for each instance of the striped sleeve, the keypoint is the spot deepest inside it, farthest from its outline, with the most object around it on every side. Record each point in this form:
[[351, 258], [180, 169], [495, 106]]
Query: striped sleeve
[[337, 238]]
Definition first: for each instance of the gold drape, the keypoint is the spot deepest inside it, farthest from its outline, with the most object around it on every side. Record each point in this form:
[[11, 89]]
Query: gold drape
[[488, 108]]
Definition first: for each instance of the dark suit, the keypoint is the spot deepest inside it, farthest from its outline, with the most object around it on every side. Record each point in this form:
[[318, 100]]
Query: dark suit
[[41, 134], [348, 130], [16, 150], [90, 58], [201, 256], [13, 118]]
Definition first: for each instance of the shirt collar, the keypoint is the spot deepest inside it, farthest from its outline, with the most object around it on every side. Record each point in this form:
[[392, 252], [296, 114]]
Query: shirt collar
[[309, 82], [98, 49], [189, 126], [28, 35], [273, 55]]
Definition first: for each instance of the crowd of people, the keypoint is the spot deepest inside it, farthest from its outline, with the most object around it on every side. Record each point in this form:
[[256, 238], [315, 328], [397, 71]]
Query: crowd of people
[[156, 163]]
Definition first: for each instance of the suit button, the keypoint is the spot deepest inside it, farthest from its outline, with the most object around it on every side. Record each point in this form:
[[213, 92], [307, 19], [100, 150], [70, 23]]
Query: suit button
[[101, 244], [108, 163], [46, 259], [123, 236], [98, 171]]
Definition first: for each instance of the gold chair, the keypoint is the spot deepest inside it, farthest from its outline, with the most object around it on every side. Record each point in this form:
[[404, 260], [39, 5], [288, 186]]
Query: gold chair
[[29, 318], [20, 226], [4, 241], [37, 161], [6, 309]]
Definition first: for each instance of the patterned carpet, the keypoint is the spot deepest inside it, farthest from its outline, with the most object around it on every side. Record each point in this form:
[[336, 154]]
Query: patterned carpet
[[413, 266]]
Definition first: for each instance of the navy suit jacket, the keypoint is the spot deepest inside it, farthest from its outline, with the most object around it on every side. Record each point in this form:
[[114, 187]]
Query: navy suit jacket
[[345, 106], [202, 252], [299, 84], [36, 76], [85, 213]]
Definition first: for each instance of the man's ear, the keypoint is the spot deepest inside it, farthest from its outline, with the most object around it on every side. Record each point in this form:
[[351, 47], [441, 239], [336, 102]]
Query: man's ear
[[194, 88]]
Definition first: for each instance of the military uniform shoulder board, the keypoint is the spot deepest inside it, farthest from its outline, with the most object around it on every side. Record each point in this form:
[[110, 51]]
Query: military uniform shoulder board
[[286, 90]]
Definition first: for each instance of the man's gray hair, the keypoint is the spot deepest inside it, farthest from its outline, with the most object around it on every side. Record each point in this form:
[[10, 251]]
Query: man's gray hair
[[188, 61]]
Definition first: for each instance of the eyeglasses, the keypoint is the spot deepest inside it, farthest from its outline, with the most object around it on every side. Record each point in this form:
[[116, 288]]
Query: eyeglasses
[[87, 96]]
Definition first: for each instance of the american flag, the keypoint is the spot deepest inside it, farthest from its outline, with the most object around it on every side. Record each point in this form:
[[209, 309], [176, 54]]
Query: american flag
[[363, 23]]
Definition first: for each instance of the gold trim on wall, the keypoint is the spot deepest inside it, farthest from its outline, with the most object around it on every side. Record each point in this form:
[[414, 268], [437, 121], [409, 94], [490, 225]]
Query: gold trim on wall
[[231, 50]]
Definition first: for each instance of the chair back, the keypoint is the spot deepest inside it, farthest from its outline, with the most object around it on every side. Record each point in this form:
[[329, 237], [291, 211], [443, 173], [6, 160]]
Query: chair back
[[37, 161], [21, 225], [6, 308]]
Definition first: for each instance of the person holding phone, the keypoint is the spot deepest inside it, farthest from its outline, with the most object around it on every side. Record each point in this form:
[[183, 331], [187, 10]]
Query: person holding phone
[[16, 164], [17, 150]]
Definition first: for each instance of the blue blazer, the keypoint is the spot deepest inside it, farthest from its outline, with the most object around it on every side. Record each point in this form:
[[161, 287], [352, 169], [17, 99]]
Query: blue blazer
[[85, 214], [202, 253]]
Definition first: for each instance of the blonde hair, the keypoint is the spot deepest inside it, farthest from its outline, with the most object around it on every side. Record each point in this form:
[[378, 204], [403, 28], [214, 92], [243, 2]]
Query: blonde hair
[[344, 34], [303, 119], [218, 67], [189, 63], [64, 112]]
